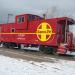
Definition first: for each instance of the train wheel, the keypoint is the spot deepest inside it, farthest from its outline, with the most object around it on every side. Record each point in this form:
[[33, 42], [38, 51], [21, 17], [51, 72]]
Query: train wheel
[[9, 45], [5, 44], [19, 46], [54, 51], [46, 49], [42, 49]]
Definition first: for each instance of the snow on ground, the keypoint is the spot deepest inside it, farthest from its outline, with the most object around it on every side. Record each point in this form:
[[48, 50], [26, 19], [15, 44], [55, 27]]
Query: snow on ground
[[11, 66]]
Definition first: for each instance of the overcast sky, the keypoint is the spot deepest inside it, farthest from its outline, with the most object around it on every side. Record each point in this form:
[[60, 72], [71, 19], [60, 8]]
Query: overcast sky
[[51, 7]]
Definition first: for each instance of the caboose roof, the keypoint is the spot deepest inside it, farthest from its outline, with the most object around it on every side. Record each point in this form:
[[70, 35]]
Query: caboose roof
[[27, 14], [69, 21]]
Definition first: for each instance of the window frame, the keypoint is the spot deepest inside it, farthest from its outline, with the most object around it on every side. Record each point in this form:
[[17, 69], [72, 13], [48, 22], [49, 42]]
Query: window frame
[[21, 19]]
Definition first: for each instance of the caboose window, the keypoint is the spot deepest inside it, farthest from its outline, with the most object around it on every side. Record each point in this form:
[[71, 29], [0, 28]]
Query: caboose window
[[31, 17], [13, 30], [21, 19]]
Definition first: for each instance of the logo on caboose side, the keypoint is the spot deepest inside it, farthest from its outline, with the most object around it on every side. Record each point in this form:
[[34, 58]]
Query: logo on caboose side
[[44, 31]]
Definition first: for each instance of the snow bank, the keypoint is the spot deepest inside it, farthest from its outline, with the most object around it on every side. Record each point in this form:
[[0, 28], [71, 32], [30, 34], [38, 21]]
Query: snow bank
[[11, 66]]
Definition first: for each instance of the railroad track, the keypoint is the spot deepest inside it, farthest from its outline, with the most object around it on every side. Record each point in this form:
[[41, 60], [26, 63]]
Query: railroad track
[[32, 55]]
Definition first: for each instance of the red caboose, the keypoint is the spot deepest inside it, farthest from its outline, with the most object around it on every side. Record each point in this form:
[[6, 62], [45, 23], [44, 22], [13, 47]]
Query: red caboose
[[35, 31]]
